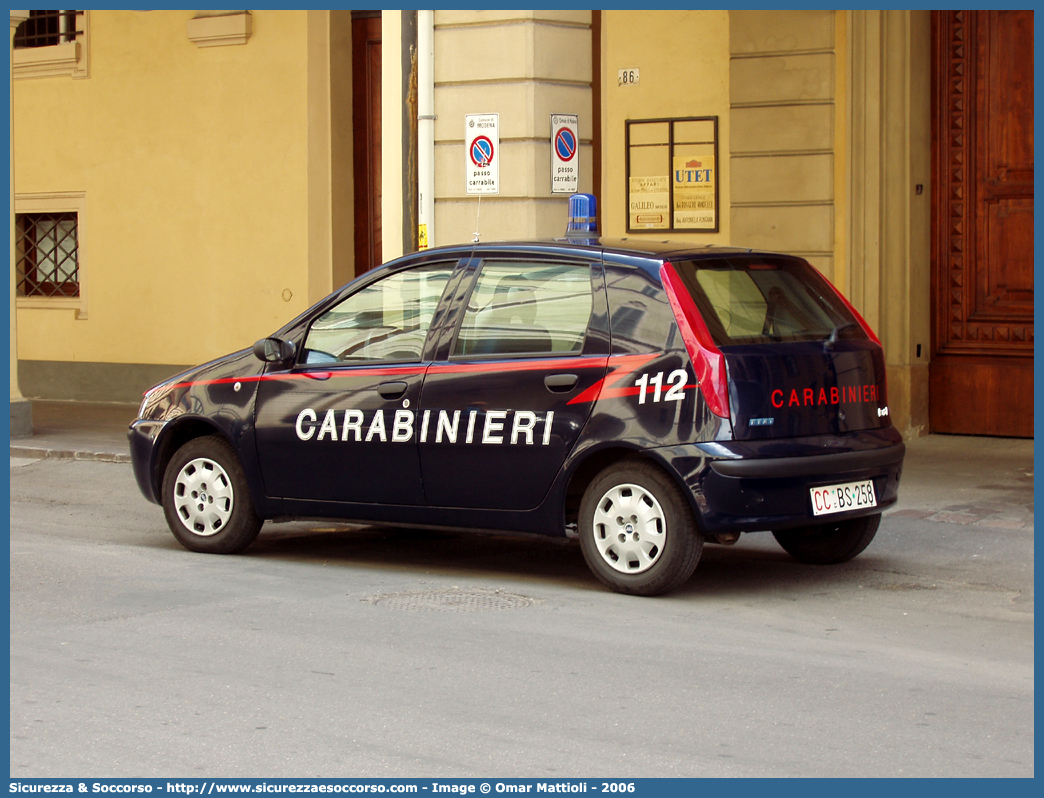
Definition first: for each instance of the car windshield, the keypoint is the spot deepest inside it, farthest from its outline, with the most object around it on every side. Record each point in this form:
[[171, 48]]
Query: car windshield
[[757, 299]]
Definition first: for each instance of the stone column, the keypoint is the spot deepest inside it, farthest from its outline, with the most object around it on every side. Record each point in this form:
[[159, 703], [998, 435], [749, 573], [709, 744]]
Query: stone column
[[525, 66], [889, 176], [21, 410]]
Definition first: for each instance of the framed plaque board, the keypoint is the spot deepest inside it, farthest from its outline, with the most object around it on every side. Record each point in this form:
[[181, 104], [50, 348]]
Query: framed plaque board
[[672, 175]]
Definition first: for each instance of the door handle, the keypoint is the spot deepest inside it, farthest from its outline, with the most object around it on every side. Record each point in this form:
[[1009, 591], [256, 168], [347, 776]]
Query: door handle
[[560, 383], [391, 390]]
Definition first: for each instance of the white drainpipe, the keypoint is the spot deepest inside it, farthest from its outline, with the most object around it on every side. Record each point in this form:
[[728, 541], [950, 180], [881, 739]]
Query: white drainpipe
[[426, 122]]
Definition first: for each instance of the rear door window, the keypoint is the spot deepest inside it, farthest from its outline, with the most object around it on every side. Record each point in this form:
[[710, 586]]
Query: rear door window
[[527, 309], [751, 300]]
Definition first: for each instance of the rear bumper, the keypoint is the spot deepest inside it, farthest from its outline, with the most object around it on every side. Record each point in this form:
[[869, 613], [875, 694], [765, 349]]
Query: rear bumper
[[747, 487], [813, 465]]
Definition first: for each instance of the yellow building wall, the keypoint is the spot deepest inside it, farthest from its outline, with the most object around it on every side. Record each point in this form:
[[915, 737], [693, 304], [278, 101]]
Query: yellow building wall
[[683, 63], [194, 162]]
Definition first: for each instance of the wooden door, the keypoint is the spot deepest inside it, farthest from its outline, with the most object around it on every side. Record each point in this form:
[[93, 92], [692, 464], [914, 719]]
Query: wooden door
[[366, 137], [981, 372]]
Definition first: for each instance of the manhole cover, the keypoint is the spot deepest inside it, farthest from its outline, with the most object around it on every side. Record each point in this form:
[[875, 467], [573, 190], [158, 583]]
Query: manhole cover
[[452, 600]]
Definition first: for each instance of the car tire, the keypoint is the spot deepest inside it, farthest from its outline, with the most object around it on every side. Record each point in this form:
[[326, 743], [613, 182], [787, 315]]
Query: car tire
[[637, 532], [830, 543], [206, 499]]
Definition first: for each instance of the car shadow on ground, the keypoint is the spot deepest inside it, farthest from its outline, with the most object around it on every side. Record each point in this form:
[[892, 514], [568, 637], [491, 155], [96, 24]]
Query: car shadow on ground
[[753, 566]]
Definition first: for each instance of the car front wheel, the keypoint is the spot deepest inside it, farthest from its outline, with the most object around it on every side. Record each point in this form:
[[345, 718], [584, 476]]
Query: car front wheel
[[637, 531], [205, 498], [829, 543]]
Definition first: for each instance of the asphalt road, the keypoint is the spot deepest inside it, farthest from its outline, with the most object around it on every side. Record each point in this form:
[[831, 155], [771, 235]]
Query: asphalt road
[[330, 651]]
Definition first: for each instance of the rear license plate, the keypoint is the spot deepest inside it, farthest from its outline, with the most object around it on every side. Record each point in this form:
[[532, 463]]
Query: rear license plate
[[840, 498]]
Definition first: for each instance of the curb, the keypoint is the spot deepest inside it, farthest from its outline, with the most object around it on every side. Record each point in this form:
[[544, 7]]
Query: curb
[[67, 454]]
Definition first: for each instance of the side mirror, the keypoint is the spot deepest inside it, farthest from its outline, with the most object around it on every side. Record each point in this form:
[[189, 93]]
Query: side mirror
[[274, 350]]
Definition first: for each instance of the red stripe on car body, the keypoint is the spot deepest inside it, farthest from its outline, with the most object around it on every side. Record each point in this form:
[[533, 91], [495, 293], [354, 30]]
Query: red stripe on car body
[[623, 365], [396, 371], [302, 375], [537, 364]]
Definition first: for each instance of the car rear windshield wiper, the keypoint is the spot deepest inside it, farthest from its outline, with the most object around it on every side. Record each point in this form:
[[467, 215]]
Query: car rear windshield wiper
[[836, 333]]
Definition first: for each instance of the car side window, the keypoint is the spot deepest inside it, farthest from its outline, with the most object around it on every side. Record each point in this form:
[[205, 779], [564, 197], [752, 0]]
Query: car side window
[[526, 308], [386, 321]]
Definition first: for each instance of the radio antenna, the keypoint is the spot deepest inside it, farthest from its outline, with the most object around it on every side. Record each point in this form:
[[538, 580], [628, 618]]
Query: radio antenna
[[478, 213]]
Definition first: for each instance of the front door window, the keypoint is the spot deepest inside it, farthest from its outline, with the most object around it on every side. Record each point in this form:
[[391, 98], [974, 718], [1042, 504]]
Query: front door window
[[386, 321]]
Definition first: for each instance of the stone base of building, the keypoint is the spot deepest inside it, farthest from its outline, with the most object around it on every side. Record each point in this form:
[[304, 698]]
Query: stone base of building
[[67, 381], [21, 418]]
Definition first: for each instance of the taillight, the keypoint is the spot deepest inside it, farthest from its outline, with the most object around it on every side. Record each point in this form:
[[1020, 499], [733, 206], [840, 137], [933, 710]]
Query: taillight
[[706, 358]]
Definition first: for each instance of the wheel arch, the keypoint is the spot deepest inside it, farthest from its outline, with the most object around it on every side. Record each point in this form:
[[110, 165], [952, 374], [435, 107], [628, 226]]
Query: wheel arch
[[593, 462], [176, 435]]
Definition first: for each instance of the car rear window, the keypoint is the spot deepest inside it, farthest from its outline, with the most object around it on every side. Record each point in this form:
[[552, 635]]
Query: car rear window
[[753, 299]]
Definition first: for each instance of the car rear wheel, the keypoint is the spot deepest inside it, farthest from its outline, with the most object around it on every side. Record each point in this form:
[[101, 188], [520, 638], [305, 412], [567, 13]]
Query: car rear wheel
[[205, 498], [637, 531], [829, 543]]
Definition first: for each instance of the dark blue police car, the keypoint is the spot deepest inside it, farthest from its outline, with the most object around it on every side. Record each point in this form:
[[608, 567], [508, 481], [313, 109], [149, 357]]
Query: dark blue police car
[[645, 396]]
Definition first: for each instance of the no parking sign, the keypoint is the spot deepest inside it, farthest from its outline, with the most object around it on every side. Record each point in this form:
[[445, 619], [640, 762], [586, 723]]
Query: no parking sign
[[482, 153], [565, 162]]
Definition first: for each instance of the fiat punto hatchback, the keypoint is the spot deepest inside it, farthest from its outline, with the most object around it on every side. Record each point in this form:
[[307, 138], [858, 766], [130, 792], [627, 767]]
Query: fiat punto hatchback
[[645, 397]]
